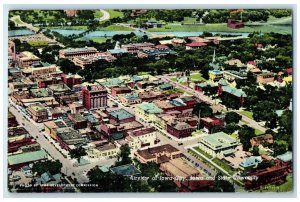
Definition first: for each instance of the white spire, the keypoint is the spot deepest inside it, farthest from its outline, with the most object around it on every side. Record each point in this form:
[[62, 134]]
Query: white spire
[[214, 56]]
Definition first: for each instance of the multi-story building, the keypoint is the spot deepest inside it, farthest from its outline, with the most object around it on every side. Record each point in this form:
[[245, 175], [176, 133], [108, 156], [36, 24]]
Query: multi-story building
[[83, 61], [265, 77], [94, 96], [135, 47], [71, 53], [146, 111], [158, 154], [78, 120], [38, 112], [72, 80], [215, 75], [120, 116], [218, 144], [141, 137], [52, 70], [179, 129], [26, 59], [120, 90]]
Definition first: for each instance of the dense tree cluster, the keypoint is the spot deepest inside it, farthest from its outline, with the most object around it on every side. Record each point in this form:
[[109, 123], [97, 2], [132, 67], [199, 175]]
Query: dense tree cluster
[[53, 167]]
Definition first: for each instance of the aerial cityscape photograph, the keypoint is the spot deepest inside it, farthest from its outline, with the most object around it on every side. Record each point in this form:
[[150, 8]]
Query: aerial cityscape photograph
[[150, 100]]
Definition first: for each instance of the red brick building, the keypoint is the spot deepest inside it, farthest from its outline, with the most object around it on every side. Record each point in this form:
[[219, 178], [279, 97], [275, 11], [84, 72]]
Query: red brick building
[[78, 120], [120, 90], [94, 97], [179, 129], [72, 80], [209, 123]]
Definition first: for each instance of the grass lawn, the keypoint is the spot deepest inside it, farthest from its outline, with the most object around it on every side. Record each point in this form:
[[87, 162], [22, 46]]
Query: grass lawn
[[202, 152], [258, 132], [38, 43], [285, 187], [247, 114], [115, 14], [98, 14], [197, 77], [223, 165], [235, 136], [115, 28], [222, 27], [99, 39], [17, 21]]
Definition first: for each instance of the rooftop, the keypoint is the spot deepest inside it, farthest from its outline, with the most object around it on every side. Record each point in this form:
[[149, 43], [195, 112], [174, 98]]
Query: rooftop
[[125, 170], [220, 140], [150, 153], [26, 157], [37, 107], [140, 132], [121, 114], [288, 156], [78, 117], [71, 50], [59, 87], [150, 108]]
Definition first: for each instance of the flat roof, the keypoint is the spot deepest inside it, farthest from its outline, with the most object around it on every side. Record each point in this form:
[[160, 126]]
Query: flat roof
[[149, 108], [121, 114], [126, 170], [218, 141], [59, 87], [26, 157]]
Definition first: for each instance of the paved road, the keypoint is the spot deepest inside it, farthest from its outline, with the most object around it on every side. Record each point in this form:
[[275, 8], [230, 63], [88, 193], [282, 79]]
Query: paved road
[[105, 16], [67, 163], [166, 138]]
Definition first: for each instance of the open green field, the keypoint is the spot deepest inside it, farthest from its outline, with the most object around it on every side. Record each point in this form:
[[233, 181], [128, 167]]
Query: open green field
[[197, 77], [77, 27], [222, 27], [38, 43], [99, 39], [17, 21], [115, 14], [285, 187], [98, 14], [247, 114]]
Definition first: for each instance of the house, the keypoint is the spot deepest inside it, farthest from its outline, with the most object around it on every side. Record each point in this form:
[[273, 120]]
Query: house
[[158, 154], [234, 24], [218, 144], [250, 162], [194, 45], [264, 140]]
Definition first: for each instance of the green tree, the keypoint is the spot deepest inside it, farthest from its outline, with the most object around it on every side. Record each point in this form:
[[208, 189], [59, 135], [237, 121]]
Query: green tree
[[280, 147], [124, 156], [245, 134], [77, 153], [232, 117], [53, 167], [204, 109], [222, 185]]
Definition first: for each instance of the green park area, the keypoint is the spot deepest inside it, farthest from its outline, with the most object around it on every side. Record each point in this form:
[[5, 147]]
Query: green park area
[[99, 39], [197, 77], [115, 28], [115, 14], [38, 43], [222, 27], [98, 14]]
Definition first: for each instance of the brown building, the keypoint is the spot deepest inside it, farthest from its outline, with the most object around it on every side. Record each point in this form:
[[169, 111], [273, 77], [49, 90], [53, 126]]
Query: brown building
[[264, 140], [70, 53], [159, 154], [94, 97], [26, 59], [265, 77], [38, 112]]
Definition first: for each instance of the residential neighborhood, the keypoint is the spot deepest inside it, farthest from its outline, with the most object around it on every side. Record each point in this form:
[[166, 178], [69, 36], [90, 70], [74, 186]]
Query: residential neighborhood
[[150, 100]]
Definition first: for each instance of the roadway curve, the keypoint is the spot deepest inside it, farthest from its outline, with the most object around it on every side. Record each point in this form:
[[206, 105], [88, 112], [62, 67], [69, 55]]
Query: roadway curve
[[105, 16]]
